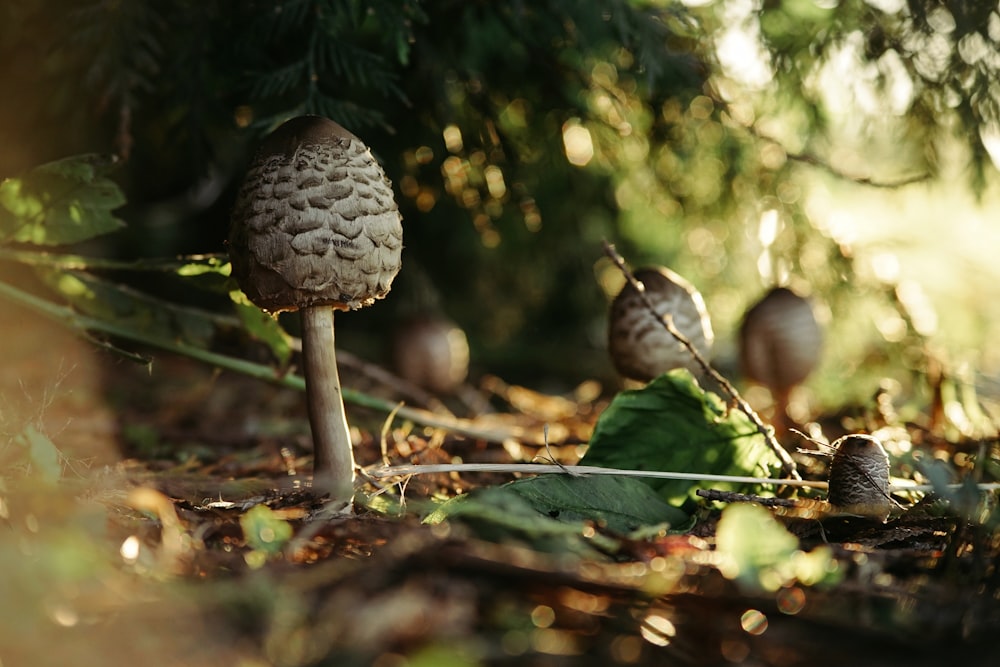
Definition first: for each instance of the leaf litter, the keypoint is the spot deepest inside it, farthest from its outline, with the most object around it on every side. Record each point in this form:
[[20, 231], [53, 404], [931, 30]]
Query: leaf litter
[[200, 544]]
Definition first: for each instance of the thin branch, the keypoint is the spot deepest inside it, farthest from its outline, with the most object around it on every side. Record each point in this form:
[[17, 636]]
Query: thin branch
[[382, 472], [69, 262], [83, 325], [733, 497], [545, 468], [815, 161], [787, 464]]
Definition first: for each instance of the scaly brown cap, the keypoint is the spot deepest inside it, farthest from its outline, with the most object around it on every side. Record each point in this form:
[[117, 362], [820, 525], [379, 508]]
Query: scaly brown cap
[[859, 477], [640, 346], [315, 222]]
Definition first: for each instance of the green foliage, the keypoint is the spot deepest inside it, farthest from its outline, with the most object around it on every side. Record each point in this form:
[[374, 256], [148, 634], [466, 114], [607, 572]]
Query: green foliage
[[263, 327], [760, 555], [71, 201], [946, 50], [263, 531], [131, 309], [964, 500], [324, 57], [683, 161], [552, 512], [61, 202], [672, 424], [621, 505]]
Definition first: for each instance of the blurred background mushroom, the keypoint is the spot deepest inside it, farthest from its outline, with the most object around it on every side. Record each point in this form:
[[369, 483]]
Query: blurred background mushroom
[[315, 228], [641, 347], [431, 352], [780, 345]]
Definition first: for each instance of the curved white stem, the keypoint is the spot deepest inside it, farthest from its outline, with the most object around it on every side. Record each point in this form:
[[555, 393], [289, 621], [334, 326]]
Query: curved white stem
[[333, 466]]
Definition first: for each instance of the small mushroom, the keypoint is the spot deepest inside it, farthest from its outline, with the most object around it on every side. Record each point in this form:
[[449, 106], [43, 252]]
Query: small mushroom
[[859, 477], [641, 347], [431, 352], [780, 345], [315, 228]]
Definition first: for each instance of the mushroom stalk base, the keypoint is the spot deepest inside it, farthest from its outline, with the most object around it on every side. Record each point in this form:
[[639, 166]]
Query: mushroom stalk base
[[333, 466]]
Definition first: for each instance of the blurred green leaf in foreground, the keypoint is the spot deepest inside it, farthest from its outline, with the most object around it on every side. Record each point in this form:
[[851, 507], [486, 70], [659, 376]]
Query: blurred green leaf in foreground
[[265, 533], [761, 555]]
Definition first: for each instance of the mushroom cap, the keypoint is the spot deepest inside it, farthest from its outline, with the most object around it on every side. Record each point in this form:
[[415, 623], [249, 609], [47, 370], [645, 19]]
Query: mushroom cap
[[315, 222], [780, 340], [859, 476], [641, 347], [431, 352]]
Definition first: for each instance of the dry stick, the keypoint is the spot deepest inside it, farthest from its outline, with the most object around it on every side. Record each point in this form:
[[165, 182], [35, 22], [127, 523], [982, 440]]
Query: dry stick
[[543, 468], [734, 497], [787, 464], [382, 472]]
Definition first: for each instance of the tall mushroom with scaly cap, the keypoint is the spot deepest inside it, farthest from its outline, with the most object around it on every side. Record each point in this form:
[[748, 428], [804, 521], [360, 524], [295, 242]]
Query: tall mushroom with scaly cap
[[315, 228]]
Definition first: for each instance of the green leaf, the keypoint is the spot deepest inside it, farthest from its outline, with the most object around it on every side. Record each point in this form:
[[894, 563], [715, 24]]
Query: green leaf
[[211, 273], [263, 327], [61, 202], [557, 513], [756, 551], [672, 424], [621, 505], [264, 531], [129, 308], [498, 515]]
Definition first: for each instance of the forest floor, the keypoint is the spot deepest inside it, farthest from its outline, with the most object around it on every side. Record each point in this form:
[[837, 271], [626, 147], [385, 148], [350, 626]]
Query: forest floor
[[151, 547]]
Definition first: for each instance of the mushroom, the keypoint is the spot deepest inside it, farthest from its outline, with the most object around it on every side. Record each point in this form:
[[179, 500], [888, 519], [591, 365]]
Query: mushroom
[[315, 228], [859, 477], [431, 352], [780, 345], [641, 348]]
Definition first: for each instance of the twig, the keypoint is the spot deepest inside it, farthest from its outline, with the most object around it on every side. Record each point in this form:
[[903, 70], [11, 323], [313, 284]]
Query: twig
[[733, 497], [380, 472], [814, 161], [787, 464], [542, 468], [83, 324], [69, 262]]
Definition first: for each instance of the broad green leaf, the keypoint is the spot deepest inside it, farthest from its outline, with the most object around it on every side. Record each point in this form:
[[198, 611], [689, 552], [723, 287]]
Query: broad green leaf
[[263, 327], [558, 512], [756, 551], [132, 309], [500, 515], [619, 504], [61, 202], [672, 424]]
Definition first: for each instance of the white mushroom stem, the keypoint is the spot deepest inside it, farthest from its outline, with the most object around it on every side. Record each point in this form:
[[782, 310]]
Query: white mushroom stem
[[333, 467]]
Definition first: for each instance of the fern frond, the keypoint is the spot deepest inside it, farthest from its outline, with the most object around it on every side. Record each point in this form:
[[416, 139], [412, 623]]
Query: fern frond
[[280, 81]]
